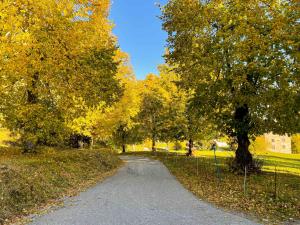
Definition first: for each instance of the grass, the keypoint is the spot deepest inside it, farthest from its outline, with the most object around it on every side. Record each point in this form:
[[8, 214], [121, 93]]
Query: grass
[[284, 163], [28, 182], [259, 201]]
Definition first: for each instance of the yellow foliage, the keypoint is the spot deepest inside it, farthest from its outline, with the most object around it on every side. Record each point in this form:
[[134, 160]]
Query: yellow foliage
[[296, 143], [258, 145]]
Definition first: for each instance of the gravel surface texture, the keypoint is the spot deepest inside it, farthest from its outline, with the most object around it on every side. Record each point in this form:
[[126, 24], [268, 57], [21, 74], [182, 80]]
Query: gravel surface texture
[[142, 192]]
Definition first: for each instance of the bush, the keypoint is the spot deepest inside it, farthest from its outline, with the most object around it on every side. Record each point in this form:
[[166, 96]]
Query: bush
[[254, 167], [177, 146]]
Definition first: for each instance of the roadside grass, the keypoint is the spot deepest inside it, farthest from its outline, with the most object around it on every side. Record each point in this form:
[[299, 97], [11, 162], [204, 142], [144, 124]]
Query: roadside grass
[[270, 203], [29, 182]]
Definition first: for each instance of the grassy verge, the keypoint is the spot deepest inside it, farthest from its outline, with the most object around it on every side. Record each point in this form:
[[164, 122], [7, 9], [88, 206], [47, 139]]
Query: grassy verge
[[259, 200], [28, 182]]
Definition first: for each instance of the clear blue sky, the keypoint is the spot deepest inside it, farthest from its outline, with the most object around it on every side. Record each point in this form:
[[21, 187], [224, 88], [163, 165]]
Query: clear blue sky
[[139, 32]]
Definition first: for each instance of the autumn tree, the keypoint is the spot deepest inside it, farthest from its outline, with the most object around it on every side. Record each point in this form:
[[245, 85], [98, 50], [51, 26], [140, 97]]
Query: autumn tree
[[241, 59], [174, 105], [54, 54], [152, 109], [182, 118], [116, 121], [126, 128]]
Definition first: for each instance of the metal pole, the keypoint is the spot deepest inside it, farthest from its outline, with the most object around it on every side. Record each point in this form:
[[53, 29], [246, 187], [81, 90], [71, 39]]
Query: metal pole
[[197, 166], [275, 182], [216, 164], [245, 181]]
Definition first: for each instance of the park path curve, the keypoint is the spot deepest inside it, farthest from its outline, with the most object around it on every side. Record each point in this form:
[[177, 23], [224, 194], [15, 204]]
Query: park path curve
[[143, 192]]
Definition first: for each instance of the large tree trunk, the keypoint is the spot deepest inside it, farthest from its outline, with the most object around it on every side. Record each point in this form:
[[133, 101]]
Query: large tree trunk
[[242, 121], [191, 145], [123, 148], [242, 154]]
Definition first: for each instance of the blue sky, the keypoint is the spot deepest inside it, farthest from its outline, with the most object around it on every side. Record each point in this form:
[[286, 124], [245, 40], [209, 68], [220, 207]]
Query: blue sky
[[139, 32]]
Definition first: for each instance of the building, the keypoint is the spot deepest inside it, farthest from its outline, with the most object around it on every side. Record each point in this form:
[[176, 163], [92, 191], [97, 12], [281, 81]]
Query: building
[[278, 143]]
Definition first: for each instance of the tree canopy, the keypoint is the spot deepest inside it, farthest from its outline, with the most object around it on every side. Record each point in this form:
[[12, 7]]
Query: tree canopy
[[53, 55], [241, 59]]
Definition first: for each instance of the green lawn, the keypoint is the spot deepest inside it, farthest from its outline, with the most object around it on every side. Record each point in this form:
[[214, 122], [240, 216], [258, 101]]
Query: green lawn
[[284, 163]]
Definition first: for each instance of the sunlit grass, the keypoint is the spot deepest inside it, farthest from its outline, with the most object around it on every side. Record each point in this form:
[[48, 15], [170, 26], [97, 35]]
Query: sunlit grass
[[286, 163]]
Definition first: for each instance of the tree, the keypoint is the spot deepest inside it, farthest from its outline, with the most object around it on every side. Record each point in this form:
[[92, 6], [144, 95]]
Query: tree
[[240, 59], [179, 118], [174, 105], [124, 135], [181, 121], [116, 121], [152, 109], [126, 129], [49, 64]]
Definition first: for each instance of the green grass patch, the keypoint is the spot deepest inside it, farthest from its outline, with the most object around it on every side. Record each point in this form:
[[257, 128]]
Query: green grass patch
[[28, 182], [259, 200], [284, 163]]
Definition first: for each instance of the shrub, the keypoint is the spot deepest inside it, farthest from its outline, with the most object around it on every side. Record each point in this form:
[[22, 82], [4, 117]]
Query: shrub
[[177, 146]]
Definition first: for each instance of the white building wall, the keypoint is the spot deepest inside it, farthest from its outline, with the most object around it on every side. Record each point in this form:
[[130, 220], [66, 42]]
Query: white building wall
[[278, 143]]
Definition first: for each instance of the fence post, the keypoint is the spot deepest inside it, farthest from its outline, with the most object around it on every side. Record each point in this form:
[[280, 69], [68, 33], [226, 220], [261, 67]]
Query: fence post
[[217, 167], [275, 182], [245, 181], [197, 166]]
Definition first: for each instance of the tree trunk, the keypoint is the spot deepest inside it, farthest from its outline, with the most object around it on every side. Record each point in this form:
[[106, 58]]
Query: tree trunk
[[191, 145], [29, 146], [242, 155], [153, 144], [242, 120], [31, 95], [123, 138]]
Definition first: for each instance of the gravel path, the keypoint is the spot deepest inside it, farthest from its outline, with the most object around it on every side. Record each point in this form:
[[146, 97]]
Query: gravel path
[[142, 192]]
